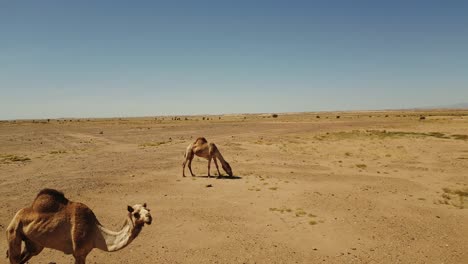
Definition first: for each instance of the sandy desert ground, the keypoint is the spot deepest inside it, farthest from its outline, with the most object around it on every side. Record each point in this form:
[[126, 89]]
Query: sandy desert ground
[[367, 187]]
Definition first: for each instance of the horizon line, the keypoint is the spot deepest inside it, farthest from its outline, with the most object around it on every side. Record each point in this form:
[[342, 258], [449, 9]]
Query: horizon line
[[414, 109]]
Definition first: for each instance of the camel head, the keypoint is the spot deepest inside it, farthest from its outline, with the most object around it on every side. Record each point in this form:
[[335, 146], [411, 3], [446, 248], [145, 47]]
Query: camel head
[[140, 215], [227, 168]]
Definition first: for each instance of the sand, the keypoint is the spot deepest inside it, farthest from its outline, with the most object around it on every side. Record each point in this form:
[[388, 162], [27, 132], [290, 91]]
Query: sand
[[367, 187]]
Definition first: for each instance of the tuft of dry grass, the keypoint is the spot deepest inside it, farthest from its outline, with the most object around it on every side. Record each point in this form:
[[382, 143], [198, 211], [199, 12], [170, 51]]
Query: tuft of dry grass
[[361, 166], [300, 213]]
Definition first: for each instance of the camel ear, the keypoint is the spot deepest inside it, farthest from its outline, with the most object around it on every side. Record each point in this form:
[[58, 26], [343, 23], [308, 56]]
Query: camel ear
[[144, 205], [130, 209]]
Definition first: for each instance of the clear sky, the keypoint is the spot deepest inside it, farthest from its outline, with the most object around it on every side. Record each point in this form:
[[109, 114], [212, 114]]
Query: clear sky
[[141, 58]]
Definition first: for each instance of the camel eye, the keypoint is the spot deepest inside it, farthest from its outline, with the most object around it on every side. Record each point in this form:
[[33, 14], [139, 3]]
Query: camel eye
[[137, 215]]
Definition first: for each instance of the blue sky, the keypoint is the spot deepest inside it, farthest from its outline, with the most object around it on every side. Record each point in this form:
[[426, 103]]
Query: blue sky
[[143, 58]]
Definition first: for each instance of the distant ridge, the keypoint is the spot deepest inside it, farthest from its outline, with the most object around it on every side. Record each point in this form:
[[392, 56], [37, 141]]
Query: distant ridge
[[452, 106]]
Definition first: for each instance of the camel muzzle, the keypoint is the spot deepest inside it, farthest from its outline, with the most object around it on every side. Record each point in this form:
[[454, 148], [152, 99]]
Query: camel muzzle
[[149, 220]]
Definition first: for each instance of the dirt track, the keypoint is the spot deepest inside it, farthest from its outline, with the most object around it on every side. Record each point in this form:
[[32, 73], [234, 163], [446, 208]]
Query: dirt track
[[364, 188]]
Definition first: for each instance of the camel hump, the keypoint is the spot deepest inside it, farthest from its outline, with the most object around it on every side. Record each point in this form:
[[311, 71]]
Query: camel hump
[[49, 200], [201, 140], [52, 192]]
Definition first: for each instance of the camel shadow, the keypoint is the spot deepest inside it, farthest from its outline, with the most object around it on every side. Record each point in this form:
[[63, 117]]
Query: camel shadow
[[222, 177]]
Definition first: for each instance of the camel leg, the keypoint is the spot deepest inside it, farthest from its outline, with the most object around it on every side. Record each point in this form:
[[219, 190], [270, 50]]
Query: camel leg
[[30, 250], [183, 168], [14, 245], [209, 166], [190, 165], [216, 163], [80, 259], [81, 254]]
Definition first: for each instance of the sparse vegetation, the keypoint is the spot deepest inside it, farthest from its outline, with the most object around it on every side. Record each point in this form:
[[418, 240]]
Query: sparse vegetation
[[361, 166], [281, 210], [454, 197], [153, 144], [383, 134], [53, 152], [274, 115], [9, 158], [300, 213], [300, 188], [460, 137]]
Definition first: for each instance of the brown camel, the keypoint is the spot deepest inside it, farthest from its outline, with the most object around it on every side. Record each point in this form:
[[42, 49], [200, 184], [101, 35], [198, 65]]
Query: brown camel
[[53, 221], [206, 150]]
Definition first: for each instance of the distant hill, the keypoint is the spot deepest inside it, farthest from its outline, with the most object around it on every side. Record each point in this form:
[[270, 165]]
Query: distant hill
[[452, 106]]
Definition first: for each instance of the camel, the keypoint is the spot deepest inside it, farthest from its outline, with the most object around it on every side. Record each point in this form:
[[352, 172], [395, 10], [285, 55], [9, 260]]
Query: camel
[[206, 150], [52, 221]]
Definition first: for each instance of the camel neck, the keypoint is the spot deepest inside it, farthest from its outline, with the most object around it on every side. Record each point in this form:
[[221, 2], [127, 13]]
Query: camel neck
[[113, 241], [219, 156]]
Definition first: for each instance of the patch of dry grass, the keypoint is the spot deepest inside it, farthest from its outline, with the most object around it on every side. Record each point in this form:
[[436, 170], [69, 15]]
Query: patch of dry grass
[[361, 166], [281, 210], [460, 137], [9, 158], [299, 212], [382, 134], [153, 144], [454, 197], [53, 152]]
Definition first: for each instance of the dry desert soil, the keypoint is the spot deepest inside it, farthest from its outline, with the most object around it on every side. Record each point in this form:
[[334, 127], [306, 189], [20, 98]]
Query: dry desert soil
[[367, 187]]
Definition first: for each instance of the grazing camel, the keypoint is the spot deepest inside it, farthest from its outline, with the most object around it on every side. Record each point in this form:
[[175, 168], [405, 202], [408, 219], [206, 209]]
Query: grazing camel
[[53, 221], [206, 150]]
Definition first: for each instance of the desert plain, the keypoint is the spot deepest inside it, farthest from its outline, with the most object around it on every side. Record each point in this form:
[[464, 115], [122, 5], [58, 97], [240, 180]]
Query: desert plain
[[327, 187]]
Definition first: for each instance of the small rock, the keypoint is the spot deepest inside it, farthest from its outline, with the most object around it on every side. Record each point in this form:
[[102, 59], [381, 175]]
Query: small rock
[[209, 185]]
